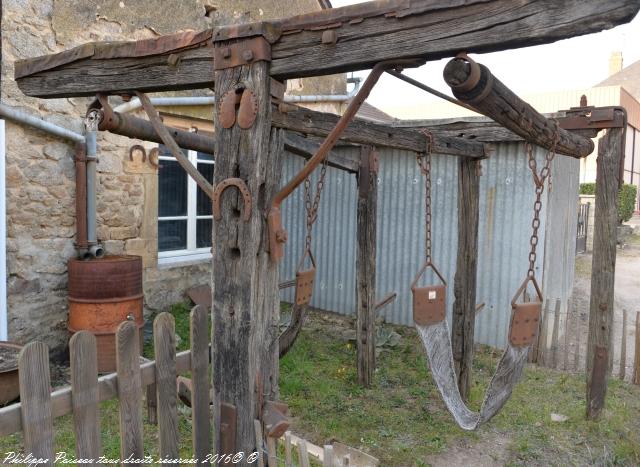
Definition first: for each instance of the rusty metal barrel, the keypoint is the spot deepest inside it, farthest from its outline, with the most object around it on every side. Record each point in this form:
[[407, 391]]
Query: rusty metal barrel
[[104, 292]]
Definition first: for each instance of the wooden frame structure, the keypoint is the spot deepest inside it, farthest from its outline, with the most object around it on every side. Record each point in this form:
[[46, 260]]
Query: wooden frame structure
[[256, 58]]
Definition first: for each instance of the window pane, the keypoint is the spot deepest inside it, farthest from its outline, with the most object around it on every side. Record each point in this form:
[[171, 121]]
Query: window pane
[[172, 189], [204, 202], [203, 233], [172, 235], [164, 151], [203, 156]]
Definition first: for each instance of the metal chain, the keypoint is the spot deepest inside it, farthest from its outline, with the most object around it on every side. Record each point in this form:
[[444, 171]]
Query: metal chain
[[312, 206], [538, 179], [424, 162]]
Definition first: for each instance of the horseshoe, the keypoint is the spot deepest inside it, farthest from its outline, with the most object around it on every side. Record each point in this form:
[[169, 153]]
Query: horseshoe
[[137, 147], [244, 191]]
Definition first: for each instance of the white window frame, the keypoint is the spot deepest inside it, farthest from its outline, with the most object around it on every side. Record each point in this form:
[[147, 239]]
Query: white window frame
[[191, 253]]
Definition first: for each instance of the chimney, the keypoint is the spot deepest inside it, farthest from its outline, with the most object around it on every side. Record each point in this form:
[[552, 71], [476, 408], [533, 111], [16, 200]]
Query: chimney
[[615, 63]]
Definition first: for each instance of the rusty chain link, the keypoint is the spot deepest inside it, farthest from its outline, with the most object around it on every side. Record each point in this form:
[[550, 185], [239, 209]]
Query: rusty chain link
[[310, 206], [538, 179], [424, 162]]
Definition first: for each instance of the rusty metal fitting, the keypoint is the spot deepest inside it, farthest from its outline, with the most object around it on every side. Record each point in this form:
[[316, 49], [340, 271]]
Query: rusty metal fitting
[[330, 37], [474, 76], [173, 60], [282, 236]]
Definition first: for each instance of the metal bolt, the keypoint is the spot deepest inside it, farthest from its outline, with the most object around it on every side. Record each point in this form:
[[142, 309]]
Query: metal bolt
[[226, 52], [173, 60], [329, 37], [282, 236], [247, 55]]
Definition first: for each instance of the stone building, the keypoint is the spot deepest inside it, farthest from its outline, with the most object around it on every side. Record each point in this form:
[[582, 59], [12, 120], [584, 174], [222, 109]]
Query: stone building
[[40, 186]]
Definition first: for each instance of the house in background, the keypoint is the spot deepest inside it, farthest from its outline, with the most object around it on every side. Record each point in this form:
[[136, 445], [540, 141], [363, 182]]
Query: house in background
[[154, 212]]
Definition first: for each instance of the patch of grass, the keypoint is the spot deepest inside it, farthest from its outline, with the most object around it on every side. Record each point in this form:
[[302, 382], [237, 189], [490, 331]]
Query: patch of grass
[[583, 265]]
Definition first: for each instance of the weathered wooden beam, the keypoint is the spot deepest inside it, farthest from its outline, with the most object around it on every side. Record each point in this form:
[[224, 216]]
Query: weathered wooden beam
[[306, 147], [473, 84], [364, 35], [246, 304], [366, 266], [464, 288], [603, 268], [362, 132]]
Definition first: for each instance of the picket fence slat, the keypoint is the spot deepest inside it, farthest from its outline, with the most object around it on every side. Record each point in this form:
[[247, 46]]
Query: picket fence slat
[[257, 426], [164, 340], [303, 454], [35, 394], [288, 461], [623, 346], [61, 404], [129, 392], [200, 412], [84, 395], [328, 456], [273, 453], [554, 335]]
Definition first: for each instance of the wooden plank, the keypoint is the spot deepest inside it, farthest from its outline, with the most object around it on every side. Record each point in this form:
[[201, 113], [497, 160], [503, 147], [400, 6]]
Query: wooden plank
[[565, 359], [366, 266], [164, 342], [623, 346], [84, 385], [200, 398], [246, 302], [601, 307], [576, 356], [152, 404], [328, 456], [464, 283], [636, 365], [35, 394], [494, 99], [303, 455], [129, 393], [315, 123], [273, 452], [367, 34], [288, 459], [288, 336], [542, 357], [306, 147], [257, 426], [61, 399], [554, 335]]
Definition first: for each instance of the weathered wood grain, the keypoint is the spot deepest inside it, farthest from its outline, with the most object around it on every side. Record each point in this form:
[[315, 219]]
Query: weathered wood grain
[[300, 145], [366, 266], [246, 303], [35, 394], [328, 456], [636, 364], [362, 132], [84, 384], [623, 346], [465, 280], [494, 99], [273, 452], [288, 458], [62, 400], [164, 343], [303, 455], [200, 412], [257, 425], [554, 335], [129, 393], [603, 267], [367, 34]]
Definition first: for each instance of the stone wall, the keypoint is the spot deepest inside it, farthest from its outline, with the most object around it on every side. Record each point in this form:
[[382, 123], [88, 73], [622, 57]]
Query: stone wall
[[40, 174]]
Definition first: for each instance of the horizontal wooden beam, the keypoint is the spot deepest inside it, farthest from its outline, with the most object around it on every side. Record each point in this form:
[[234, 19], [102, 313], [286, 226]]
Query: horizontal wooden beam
[[306, 147], [364, 35], [315, 123]]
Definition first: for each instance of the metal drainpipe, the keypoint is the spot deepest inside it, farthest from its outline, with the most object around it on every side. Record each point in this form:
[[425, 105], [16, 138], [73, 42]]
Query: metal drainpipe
[[82, 245], [134, 104], [91, 131]]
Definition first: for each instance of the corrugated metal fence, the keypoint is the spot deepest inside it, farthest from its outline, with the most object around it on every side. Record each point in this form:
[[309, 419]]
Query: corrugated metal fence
[[506, 204]]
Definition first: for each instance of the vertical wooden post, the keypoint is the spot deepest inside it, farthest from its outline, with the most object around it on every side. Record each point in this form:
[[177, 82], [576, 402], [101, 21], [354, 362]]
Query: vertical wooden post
[[464, 288], [245, 308], [623, 346], [366, 265], [599, 350]]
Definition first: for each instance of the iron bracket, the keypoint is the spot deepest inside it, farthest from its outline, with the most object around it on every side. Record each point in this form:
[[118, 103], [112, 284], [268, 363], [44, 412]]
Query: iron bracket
[[244, 52]]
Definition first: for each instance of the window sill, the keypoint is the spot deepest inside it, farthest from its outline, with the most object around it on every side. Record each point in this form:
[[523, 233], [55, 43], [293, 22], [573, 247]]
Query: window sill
[[168, 262]]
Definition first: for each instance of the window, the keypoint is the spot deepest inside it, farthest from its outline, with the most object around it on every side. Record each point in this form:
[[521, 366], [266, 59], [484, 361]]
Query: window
[[184, 210]]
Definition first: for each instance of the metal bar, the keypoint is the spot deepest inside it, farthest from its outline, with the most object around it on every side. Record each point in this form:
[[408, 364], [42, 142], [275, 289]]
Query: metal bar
[[91, 135], [168, 140], [81, 199], [430, 90], [20, 117], [277, 234]]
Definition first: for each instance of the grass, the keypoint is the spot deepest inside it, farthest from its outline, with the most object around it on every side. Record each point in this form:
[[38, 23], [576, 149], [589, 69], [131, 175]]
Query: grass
[[402, 420]]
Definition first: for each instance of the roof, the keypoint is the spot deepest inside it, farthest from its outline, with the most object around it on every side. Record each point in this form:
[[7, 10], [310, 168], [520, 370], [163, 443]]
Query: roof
[[628, 78], [373, 114]]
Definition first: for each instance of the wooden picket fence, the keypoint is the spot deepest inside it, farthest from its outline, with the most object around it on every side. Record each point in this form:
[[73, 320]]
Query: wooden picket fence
[[562, 342], [38, 406]]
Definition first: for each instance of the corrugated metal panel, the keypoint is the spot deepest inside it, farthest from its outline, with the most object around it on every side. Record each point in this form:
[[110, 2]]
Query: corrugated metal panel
[[506, 204]]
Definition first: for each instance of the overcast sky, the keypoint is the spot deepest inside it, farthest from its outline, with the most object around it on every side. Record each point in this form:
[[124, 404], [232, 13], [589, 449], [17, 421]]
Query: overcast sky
[[576, 63]]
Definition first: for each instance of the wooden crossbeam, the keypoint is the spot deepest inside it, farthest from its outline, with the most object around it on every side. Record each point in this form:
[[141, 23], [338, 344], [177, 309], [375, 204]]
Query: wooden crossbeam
[[364, 35], [362, 132]]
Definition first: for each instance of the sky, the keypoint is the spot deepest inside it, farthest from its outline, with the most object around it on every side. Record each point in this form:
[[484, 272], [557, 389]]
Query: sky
[[575, 63]]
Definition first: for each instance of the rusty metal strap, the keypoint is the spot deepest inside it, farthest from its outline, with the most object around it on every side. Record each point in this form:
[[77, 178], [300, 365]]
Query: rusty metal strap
[[437, 343], [168, 141]]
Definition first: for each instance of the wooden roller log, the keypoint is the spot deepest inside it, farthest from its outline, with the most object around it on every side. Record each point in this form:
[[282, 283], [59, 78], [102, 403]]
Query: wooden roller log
[[473, 84]]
